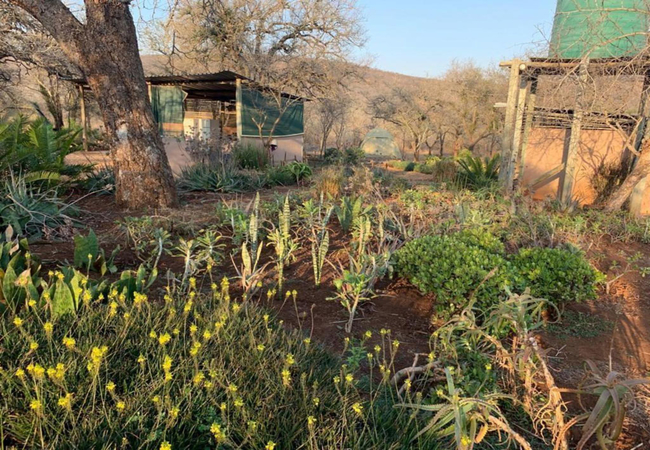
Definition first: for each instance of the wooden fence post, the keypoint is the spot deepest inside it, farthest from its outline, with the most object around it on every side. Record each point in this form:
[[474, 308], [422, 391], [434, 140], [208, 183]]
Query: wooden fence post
[[509, 124]]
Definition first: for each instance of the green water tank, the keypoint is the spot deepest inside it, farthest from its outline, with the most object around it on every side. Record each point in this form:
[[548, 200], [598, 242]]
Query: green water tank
[[599, 28]]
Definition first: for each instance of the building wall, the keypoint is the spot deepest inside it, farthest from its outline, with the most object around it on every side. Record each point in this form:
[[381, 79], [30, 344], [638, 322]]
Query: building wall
[[546, 147], [290, 148]]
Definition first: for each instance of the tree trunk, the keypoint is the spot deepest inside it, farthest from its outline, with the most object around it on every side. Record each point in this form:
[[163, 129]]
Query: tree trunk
[[640, 171], [105, 48]]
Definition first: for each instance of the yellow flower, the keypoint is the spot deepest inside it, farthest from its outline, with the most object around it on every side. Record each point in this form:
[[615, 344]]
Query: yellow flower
[[173, 413], [316, 401], [153, 334], [141, 359], [193, 329], [396, 344], [488, 367], [384, 332], [207, 335], [164, 445], [126, 316], [266, 318], [290, 360], [176, 331], [36, 405], [18, 322], [368, 334], [66, 401], [236, 307], [168, 376], [110, 387], [465, 441], [208, 384], [139, 298], [112, 309], [270, 446], [56, 373], [164, 339], [357, 408], [218, 433], [307, 341], [33, 345], [311, 420], [48, 328], [260, 348], [37, 371], [155, 399], [349, 378], [286, 377], [31, 303], [407, 385], [97, 355], [196, 346], [121, 406], [198, 378], [188, 306], [232, 388], [167, 363], [239, 402], [20, 373], [69, 342]]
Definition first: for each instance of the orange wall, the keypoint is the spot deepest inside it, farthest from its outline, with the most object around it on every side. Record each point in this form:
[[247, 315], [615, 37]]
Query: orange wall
[[546, 147]]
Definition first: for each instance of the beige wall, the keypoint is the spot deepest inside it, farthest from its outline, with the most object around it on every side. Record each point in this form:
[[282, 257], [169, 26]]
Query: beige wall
[[289, 148]]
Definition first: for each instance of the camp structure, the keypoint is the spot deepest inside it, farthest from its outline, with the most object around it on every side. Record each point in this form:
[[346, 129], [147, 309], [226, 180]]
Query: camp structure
[[381, 144], [226, 106], [558, 152]]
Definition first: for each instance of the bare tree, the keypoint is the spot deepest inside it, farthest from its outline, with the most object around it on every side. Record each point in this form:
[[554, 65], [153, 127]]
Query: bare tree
[[104, 47], [331, 115], [410, 111]]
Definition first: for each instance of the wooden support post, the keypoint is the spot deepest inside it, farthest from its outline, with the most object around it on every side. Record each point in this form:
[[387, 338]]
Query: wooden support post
[[509, 124], [84, 125], [571, 161], [522, 96], [238, 107], [530, 112]]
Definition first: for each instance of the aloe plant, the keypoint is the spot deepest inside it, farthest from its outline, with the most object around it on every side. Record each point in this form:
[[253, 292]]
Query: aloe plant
[[477, 173]]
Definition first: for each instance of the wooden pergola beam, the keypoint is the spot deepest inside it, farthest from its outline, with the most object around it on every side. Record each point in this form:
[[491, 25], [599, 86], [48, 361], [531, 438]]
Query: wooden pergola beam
[[507, 143]]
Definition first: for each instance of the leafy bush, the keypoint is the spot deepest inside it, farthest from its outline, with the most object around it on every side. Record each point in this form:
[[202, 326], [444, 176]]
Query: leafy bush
[[406, 166], [299, 171], [251, 157], [32, 210], [100, 181], [476, 173], [353, 156], [34, 146], [332, 155], [557, 275], [455, 268], [203, 177]]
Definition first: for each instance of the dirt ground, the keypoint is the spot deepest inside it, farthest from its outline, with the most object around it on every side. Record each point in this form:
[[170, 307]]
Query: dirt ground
[[407, 313]]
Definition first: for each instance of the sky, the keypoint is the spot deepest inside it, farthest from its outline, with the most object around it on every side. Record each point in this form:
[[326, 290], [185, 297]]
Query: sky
[[423, 37]]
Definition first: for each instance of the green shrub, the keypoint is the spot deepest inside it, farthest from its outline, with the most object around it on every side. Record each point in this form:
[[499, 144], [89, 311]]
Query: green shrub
[[34, 146], [476, 173], [406, 166], [454, 268], [353, 156], [203, 177], [32, 209], [332, 155], [557, 275], [251, 157]]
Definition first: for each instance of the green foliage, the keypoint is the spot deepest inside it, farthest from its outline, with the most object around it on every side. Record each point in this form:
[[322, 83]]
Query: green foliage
[[19, 272], [88, 255], [476, 173], [299, 171], [556, 274], [149, 240], [100, 181], [353, 156], [32, 209], [332, 155], [251, 157], [455, 268], [349, 210], [221, 178], [34, 146], [283, 243], [406, 166], [580, 325]]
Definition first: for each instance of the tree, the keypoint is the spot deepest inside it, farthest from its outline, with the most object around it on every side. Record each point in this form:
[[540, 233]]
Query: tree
[[105, 48], [409, 110], [331, 115], [469, 98]]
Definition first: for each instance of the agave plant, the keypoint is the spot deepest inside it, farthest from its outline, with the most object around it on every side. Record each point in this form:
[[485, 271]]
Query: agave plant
[[605, 421], [477, 173], [466, 420]]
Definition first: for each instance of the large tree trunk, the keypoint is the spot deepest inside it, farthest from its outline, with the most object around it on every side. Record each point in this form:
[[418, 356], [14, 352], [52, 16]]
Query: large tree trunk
[[640, 171], [105, 48]]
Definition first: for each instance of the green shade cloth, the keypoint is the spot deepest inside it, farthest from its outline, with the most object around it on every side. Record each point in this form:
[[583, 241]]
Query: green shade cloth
[[167, 104], [599, 28], [380, 142], [259, 109]]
